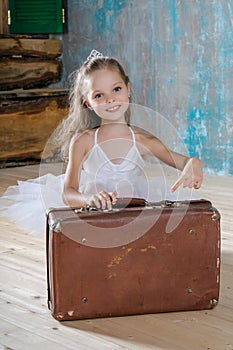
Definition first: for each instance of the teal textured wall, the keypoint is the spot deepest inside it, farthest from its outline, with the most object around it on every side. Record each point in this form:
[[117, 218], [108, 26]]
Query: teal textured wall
[[179, 55]]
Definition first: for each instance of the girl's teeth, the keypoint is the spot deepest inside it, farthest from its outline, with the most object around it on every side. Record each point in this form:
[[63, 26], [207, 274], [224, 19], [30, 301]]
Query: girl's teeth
[[113, 108]]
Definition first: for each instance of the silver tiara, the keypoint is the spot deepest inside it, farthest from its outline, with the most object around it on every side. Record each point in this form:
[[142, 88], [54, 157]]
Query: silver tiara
[[94, 54]]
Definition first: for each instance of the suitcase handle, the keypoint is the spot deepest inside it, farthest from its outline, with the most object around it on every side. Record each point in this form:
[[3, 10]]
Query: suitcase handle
[[126, 202], [122, 202]]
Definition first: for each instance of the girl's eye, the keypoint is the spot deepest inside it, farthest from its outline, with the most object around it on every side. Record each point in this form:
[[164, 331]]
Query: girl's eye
[[97, 96], [117, 89]]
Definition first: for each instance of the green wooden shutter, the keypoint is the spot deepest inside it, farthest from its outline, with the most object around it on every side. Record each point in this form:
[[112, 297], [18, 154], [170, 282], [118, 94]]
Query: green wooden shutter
[[36, 16]]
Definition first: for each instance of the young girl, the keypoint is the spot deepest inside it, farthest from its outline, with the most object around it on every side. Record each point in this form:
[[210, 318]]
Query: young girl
[[106, 162], [105, 154]]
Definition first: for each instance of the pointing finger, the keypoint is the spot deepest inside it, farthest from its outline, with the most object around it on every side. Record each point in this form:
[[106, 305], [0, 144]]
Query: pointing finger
[[177, 184]]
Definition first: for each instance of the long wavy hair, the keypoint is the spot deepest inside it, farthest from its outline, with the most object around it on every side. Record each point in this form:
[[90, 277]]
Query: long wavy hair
[[80, 117]]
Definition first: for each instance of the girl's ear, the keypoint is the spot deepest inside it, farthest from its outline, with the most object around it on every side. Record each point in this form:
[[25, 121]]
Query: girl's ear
[[128, 87], [87, 104]]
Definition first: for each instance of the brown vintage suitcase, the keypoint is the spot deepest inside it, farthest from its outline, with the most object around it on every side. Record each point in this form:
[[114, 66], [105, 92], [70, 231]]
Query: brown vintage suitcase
[[142, 259]]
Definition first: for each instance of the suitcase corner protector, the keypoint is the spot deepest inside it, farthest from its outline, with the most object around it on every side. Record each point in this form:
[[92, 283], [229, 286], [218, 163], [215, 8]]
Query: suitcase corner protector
[[215, 215], [48, 210], [213, 303]]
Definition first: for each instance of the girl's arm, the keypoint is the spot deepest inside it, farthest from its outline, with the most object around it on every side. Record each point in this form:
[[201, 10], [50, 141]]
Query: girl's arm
[[79, 148], [192, 174]]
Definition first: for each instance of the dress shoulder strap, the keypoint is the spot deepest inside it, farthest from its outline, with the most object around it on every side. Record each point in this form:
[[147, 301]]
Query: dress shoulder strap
[[133, 136], [95, 136]]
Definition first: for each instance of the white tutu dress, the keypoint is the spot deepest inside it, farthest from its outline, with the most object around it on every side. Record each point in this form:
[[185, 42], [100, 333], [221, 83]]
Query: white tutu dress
[[27, 202]]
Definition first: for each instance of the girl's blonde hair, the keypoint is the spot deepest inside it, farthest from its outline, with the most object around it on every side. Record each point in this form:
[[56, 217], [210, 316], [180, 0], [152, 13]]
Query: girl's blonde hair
[[80, 117]]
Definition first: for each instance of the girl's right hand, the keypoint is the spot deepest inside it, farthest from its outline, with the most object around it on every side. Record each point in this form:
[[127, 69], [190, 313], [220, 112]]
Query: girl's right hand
[[191, 176], [102, 199]]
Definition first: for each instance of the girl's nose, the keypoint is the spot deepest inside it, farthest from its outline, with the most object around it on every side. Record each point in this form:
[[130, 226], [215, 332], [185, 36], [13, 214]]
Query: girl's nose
[[110, 99]]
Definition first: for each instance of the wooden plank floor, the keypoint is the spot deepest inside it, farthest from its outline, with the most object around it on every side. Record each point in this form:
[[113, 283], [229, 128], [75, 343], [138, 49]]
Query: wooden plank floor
[[26, 323]]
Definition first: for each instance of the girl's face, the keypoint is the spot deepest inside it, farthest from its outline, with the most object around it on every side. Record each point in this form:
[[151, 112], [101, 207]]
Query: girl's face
[[108, 95]]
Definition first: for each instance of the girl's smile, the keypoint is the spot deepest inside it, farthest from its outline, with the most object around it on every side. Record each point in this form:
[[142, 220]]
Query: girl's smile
[[114, 108]]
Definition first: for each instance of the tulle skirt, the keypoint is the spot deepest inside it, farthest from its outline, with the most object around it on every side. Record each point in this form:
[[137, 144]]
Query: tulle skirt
[[27, 202]]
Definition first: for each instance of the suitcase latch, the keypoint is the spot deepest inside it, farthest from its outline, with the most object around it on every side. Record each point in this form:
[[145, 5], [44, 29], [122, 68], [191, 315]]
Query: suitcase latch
[[167, 204], [85, 209], [159, 205]]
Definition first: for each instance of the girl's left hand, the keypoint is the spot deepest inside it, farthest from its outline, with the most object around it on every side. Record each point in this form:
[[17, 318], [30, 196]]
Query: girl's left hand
[[191, 176]]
